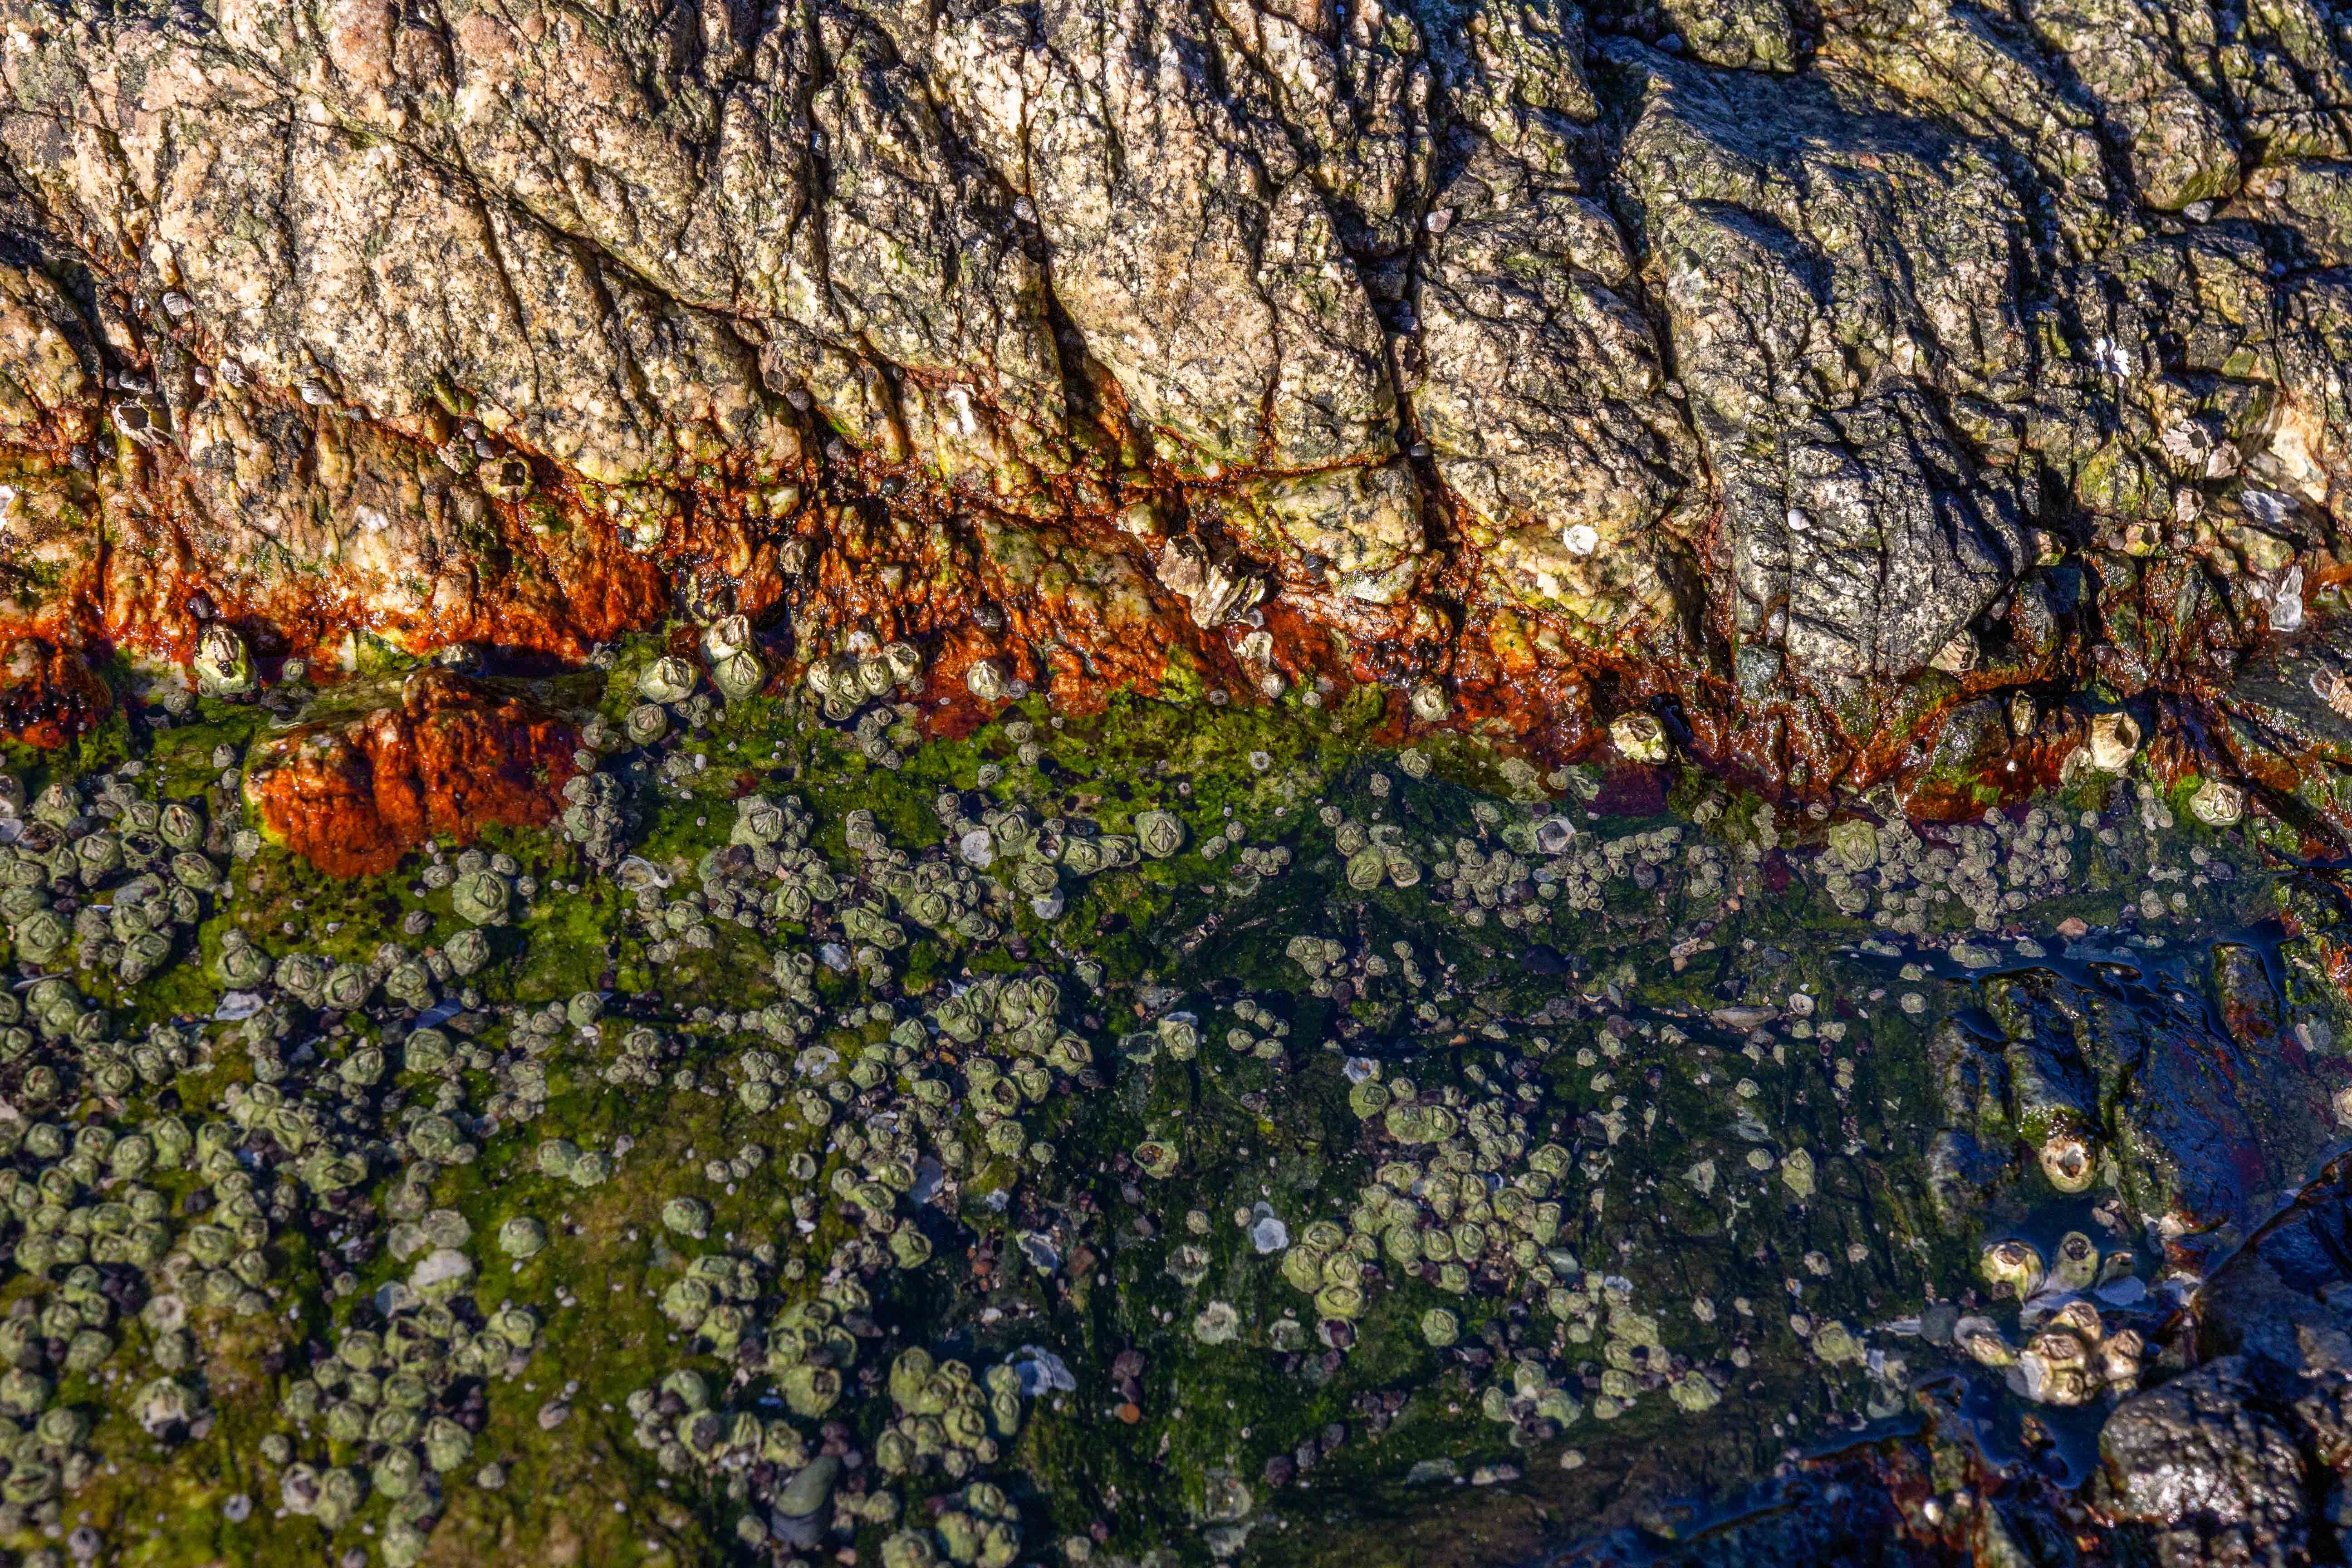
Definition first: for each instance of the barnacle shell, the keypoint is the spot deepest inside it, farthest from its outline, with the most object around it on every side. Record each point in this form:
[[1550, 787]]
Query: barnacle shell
[[667, 680], [2013, 1263], [1161, 833], [520, 1236], [480, 896], [646, 722], [224, 665]]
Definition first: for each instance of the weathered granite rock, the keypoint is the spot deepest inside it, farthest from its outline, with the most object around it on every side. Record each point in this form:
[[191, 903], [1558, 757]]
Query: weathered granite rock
[[1751, 34], [1540, 388], [1820, 370]]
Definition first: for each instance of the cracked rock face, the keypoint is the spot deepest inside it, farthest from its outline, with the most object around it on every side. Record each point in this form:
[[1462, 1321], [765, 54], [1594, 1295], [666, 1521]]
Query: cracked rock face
[[1823, 371]]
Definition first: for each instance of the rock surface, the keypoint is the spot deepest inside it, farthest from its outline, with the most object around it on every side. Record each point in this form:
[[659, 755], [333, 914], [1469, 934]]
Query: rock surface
[[2220, 1477], [1819, 371]]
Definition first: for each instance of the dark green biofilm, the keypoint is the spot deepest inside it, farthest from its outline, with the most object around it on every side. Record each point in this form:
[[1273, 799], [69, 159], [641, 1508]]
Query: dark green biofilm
[[1168, 1133]]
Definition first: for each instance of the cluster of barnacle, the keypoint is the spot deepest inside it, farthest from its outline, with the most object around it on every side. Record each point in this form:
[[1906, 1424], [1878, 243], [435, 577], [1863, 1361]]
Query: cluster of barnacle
[[315, 1102], [942, 896], [1032, 854], [807, 1484], [1477, 1211], [1535, 1400], [845, 681], [850, 685], [639, 1057], [1257, 1031], [1320, 957], [1466, 1197], [1005, 1036], [1991, 869], [880, 732], [1525, 1398], [2070, 1355], [1455, 1221], [49, 1013], [519, 1071], [2218, 804], [1633, 1361], [881, 1164], [1328, 963], [1409, 1219], [307, 1122], [104, 1242], [1517, 871], [309, 1105], [1579, 879], [768, 871], [1476, 882], [1012, 1047], [595, 814], [666, 692], [669, 705], [385, 1400], [381, 1400], [145, 860], [407, 980], [742, 885], [678, 1421], [1254, 864], [1374, 852], [979, 1529], [482, 889], [562, 1160], [946, 1417], [334, 1095], [100, 1259], [383, 1397], [711, 1302], [1028, 742]]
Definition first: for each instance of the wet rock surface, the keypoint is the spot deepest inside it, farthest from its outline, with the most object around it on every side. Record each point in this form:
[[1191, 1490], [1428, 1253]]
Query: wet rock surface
[[2208, 1473], [1164, 1132]]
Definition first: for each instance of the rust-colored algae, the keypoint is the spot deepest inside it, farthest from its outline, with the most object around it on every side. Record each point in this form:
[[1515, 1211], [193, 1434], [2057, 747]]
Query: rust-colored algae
[[450, 758]]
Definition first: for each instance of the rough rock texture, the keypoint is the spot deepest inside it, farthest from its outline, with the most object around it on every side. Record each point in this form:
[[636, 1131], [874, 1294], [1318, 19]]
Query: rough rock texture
[[2219, 1477], [2240, 1459], [1819, 369]]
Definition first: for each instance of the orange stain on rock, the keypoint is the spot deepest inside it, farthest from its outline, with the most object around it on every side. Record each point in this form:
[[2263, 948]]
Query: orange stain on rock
[[49, 693], [450, 758]]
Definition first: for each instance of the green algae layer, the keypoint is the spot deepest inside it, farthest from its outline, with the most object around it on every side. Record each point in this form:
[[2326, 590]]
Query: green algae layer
[[1164, 1134]]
